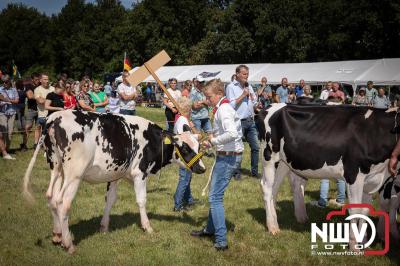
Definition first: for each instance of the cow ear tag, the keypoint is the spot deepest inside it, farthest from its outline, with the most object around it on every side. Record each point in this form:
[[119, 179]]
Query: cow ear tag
[[167, 141]]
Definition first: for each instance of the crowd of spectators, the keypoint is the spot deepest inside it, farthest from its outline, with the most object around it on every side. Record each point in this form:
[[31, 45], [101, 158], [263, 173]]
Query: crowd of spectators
[[25, 104]]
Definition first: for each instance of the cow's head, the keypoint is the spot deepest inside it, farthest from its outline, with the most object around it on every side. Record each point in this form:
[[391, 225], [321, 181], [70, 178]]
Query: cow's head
[[186, 152]]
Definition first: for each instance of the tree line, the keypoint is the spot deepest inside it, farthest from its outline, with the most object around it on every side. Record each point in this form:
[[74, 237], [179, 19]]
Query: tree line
[[91, 38]]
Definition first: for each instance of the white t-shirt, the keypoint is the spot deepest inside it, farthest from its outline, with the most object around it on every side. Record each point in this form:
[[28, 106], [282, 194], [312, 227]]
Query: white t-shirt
[[42, 92], [113, 105], [128, 90], [176, 94], [179, 124]]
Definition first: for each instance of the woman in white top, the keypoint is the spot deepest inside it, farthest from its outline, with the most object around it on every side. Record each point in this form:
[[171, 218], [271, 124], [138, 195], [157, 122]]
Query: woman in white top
[[170, 109]]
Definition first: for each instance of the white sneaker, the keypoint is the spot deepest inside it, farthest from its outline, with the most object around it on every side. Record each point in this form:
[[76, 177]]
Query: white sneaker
[[335, 203], [8, 157]]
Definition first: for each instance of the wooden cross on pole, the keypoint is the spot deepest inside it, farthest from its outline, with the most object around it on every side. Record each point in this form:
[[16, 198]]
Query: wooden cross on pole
[[148, 69]]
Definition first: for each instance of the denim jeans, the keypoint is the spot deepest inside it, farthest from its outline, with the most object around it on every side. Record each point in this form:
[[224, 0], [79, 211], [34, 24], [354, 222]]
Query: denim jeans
[[127, 112], [221, 176], [202, 124], [324, 190], [183, 193], [250, 133]]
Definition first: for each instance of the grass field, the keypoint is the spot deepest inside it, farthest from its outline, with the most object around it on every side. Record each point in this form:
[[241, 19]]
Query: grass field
[[25, 231]]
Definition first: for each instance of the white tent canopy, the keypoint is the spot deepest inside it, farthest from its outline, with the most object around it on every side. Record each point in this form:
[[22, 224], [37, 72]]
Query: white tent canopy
[[380, 71]]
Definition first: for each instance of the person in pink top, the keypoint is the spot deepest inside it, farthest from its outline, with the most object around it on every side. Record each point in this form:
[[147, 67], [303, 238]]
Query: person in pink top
[[336, 93]]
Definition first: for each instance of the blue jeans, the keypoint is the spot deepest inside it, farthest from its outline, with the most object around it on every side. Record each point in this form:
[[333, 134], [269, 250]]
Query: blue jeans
[[324, 190], [221, 176], [183, 193], [127, 112], [250, 133], [202, 124]]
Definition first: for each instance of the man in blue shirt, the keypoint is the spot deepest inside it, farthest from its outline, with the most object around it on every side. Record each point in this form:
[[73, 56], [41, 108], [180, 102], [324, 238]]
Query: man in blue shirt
[[300, 88], [200, 107], [8, 108], [243, 99], [283, 91]]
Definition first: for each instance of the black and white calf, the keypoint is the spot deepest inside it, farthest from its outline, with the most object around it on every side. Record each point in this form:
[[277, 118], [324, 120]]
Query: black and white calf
[[338, 142], [101, 148]]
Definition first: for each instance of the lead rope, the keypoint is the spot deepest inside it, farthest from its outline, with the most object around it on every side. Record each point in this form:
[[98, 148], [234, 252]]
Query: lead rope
[[162, 160], [203, 192]]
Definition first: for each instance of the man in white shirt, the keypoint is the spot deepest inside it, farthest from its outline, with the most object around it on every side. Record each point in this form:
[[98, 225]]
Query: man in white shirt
[[40, 94], [128, 94], [227, 137], [325, 92], [243, 99]]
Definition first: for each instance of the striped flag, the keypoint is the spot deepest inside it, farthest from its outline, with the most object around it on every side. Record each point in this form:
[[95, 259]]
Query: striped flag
[[127, 63], [16, 73]]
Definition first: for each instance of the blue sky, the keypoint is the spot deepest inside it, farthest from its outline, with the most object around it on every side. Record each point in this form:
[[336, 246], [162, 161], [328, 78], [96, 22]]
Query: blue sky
[[51, 6]]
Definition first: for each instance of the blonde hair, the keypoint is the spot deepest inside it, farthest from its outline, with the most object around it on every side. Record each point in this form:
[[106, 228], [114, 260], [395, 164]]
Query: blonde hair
[[185, 105], [216, 86]]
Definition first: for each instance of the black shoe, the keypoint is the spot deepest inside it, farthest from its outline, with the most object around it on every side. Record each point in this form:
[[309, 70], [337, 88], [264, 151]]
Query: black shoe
[[194, 202], [237, 177], [256, 175], [23, 147], [201, 233], [34, 146], [220, 248], [181, 209]]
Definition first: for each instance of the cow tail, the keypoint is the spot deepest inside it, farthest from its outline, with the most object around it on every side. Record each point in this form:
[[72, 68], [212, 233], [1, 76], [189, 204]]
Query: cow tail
[[27, 193]]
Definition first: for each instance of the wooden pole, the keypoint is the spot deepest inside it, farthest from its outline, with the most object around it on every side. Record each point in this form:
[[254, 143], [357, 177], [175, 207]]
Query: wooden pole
[[148, 67]]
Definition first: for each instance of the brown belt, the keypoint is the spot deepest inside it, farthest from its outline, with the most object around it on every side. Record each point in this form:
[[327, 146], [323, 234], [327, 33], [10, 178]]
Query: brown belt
[[227, 153]]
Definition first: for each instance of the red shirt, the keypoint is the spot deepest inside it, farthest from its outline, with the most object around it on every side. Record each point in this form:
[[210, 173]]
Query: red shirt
[[69, 101]]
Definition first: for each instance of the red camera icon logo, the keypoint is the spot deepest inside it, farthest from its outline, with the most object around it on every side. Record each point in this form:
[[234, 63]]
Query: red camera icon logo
[[338, 234]]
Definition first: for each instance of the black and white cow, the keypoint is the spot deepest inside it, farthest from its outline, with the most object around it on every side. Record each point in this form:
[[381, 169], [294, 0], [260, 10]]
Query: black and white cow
[[354, 143], [101, 148]]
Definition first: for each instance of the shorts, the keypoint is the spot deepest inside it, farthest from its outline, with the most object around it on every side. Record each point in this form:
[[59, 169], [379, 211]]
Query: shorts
[[41, 121], [6, 126], [20, 120], [30, 117]]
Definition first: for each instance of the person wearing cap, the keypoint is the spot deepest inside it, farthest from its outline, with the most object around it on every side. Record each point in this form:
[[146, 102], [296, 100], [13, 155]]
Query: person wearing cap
[[243, 99], [370, 92], [200, 117], [360, 99], [8, 108], [227, 137]]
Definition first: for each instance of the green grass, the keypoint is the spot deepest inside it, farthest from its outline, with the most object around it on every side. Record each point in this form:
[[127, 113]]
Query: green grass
[[25, 231]]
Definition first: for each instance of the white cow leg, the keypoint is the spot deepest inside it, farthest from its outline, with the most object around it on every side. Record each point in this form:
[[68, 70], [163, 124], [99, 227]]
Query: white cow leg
[[55, 173], [298, 185], [52, 203], [366, 198], [384, 205], [111, 198], [141, 194], [394, 205], [280, 174], [267, 183], [355, 193], [63, 211]]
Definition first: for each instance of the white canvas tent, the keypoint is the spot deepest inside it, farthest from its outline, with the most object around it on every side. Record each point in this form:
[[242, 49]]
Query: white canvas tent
[[380, 71]]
